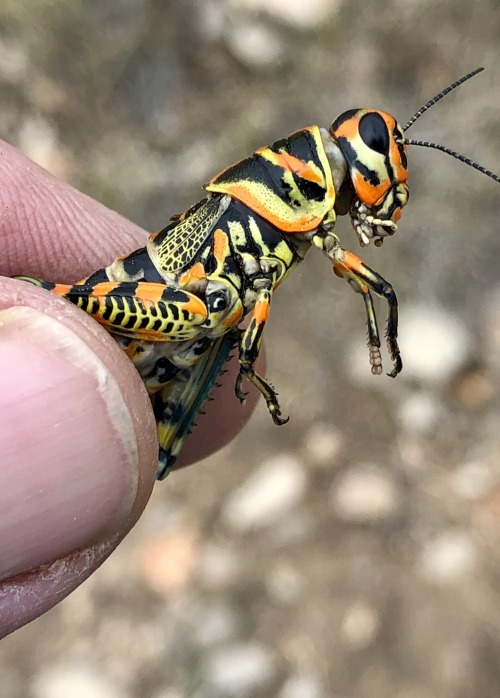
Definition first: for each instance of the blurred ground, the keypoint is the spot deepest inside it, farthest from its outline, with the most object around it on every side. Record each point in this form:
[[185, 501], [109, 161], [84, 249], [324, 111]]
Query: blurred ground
[[354, 552]]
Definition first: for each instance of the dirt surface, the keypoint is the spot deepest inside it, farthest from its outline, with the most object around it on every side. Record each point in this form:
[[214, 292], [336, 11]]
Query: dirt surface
[[354, 552]]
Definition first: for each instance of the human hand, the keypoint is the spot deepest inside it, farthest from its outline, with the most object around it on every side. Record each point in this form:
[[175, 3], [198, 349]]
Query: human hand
[[78, 445]]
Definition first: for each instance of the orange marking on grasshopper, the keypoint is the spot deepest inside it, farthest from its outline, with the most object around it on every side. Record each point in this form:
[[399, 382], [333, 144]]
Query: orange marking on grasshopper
[[367, 192], [196, 273], [148, 292], [234, 317], [351, 266], [61, 289], [291, 163], [221, 245], [130, 350], [195, 306], [261, 311]]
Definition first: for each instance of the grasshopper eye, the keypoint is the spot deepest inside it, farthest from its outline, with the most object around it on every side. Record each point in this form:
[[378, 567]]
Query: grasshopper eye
[[217, 301], [374, 133]]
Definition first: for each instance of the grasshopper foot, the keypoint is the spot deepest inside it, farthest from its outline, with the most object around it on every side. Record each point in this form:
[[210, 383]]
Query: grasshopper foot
[[269, 394]]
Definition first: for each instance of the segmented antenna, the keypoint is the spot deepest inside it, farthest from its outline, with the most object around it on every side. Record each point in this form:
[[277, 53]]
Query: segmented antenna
[[456, 155], [440, 96], [442, 148]]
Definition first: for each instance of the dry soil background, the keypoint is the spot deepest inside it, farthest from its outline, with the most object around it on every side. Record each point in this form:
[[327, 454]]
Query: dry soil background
[[354, 552]]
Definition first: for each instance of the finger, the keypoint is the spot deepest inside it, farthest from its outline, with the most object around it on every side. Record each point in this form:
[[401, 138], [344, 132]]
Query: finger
[[78, 449], [51, 230]]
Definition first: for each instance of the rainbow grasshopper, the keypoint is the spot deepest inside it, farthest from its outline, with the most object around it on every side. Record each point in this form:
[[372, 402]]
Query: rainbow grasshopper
[[175, 305]]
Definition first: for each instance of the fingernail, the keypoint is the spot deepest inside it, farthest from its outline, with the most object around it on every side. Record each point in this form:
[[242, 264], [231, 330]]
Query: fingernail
[[69, 462]]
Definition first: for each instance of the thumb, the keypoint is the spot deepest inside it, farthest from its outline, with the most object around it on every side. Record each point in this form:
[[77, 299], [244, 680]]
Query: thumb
[[77, 449]]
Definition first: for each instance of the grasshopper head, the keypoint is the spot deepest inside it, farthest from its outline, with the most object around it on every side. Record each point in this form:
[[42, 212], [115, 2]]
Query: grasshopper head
[[373, 145]]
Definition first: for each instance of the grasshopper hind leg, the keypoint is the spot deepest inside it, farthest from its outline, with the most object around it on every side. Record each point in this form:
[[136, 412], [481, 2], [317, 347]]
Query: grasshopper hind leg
[[178, 405]]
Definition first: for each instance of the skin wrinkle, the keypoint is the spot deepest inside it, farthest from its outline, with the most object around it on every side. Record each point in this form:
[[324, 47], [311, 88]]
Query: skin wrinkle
[[22, 215], [39, 243], [69, 209], [105, 219], [50, 246], [80, 216], [116, 233]]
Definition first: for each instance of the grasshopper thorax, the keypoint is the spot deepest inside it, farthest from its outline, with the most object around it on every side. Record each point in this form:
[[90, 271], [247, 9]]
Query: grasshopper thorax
[[373, 145]]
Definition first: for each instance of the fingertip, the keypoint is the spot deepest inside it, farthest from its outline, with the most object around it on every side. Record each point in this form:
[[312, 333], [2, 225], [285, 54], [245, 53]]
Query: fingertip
[[77, 438]]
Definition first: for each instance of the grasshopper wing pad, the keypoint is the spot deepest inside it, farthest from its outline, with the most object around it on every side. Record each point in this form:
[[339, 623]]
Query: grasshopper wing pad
[[178, 405], [175, 247]]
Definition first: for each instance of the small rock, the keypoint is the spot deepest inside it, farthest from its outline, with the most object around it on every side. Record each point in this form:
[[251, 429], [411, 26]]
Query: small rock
[[301, 687], [13, 61], [473, 388], [420, 412], [295, 12], [238, 669], [472, 480], [168, 561], [284, 583], [491, 328], [217, 566], [434, 343], [487, 516], [360, 625], [364, 495], [169, 693], [40, 141], [294, 526], [215, 624], [449, 557], [323, 444], [269, 493], [77, 681], [255, 44], [210, 19]]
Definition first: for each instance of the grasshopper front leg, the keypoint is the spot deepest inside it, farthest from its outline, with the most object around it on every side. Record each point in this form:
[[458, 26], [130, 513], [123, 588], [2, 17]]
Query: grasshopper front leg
[[364, 280]]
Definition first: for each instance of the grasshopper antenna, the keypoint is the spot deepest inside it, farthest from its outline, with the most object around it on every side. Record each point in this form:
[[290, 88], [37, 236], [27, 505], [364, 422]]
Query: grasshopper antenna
[[442, 148], [440, 96]]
